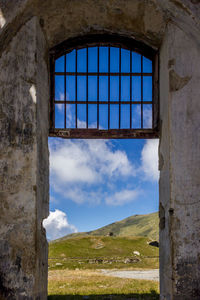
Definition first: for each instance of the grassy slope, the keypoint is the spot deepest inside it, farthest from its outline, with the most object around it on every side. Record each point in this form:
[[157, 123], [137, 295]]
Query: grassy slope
[[131, 234], [137, 225], [77, 252]]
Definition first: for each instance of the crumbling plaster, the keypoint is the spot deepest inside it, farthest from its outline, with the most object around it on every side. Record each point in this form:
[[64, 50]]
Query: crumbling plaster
[[24, 165], [179, 157], [147, 17], [29, 28]]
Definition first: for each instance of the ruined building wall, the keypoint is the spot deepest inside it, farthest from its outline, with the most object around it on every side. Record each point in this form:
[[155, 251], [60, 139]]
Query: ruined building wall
[[179, 164], [24, 165], [29, 29]]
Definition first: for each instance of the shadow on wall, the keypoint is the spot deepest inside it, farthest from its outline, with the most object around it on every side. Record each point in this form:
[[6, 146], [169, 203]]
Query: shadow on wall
[[150, 296]]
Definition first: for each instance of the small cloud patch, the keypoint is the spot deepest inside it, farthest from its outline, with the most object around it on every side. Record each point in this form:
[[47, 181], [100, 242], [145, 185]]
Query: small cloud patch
[[123, 197], [149, 157], [57, 225]]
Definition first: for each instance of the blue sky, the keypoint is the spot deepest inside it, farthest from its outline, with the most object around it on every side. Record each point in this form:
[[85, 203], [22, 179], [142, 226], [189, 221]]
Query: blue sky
[[103, 89], [97, 182]]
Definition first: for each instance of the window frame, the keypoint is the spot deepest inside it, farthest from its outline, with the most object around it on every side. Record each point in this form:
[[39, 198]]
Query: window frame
[[105, 40]]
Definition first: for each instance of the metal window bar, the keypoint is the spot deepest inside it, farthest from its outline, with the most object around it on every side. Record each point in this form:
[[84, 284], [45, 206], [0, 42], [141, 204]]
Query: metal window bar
[[109, 87], [65, 93], [130, 52], [52, 93], [87, 91], [100, 102], [104, 73], [98, 88], [141, 92], [120, 87], [98, 132], [76, 87]]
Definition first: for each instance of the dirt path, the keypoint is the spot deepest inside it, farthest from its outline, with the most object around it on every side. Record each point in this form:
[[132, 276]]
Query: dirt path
[[141, 274]]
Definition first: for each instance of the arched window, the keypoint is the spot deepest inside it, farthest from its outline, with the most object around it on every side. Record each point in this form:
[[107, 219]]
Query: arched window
[[104, 86]]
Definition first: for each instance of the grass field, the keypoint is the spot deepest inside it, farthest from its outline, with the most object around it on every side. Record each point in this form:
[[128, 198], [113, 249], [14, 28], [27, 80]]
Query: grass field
[[75, 260], [102, 252], [90, 284]]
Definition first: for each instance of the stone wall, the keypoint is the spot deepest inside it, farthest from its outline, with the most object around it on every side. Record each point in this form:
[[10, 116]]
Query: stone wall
[[29, 28], [185, 162], [23, 165], [179, 165]]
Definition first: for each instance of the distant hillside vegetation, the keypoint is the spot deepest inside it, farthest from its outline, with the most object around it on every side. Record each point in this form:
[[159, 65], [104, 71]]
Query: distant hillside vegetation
[[102, 252], [134, 226]]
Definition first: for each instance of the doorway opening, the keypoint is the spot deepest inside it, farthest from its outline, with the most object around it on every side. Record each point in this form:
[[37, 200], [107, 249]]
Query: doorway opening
[[102, 91]]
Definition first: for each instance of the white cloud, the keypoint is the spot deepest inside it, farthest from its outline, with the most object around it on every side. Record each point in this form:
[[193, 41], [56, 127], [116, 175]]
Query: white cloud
[[81, 169], [61, 96], [147, 116], [123, 197], [85, 170], [87, 161], [57, 225], [70, 163], [53, 199], [81, 124], [71, 121], [149, 157], [79, 194], [60, 107]]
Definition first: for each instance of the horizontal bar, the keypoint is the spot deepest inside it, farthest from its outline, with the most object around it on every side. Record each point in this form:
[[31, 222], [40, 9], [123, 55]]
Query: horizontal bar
[[101, 74], [101, 102], [104, 134]]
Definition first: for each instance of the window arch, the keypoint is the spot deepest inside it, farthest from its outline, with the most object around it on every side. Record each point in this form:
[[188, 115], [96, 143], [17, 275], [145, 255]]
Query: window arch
[[104, 86]]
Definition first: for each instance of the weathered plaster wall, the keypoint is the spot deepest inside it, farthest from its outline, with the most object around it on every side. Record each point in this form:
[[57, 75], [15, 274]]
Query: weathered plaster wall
[[23, 165], [164, 182], [185, 162], [180, 160], [144, 19], [173, 27]]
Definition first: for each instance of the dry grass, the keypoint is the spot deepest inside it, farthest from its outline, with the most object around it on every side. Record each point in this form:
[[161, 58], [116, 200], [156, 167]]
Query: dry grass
[[75, 284]]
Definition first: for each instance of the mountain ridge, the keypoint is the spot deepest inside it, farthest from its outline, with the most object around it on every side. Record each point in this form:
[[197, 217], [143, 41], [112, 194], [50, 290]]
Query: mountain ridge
[[146, 225]]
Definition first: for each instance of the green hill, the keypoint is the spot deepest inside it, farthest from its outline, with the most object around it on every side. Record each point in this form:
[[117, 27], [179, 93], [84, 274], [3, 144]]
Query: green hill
[[118, 245], [137, 225], [100, 252]]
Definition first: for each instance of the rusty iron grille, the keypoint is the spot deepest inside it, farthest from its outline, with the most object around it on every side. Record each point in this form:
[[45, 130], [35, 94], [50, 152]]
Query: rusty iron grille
[[103, 87]]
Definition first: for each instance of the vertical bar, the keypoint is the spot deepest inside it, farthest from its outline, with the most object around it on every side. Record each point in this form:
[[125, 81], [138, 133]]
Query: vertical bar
[[65, 113], [120, 52], [87, 92], [98, 88], [141, 92], [155, 93], [130, 89], [76, 89], [52, 93], [109, 87]]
